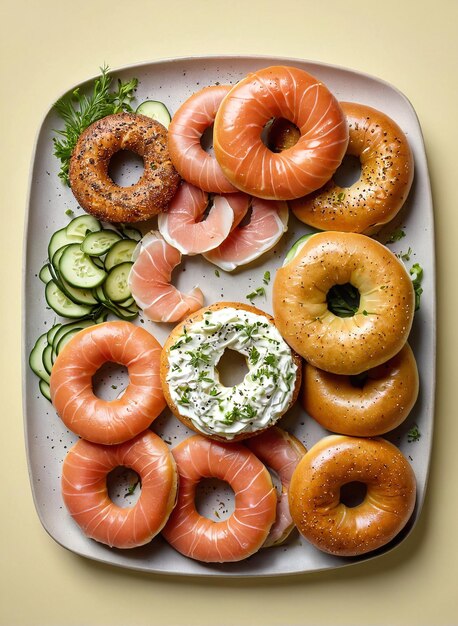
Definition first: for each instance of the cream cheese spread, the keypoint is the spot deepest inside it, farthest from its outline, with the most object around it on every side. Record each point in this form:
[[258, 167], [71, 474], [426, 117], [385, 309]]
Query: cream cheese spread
[[266, 390]]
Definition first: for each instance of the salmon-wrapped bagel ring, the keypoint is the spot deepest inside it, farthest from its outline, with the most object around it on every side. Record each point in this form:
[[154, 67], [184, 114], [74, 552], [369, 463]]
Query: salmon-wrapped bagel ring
[[344, 345], [242, 533], [387, 169], [104, 421], [279, 92], [184, 140], [91, 184], [85, 492], [315, 494], [379, 401]]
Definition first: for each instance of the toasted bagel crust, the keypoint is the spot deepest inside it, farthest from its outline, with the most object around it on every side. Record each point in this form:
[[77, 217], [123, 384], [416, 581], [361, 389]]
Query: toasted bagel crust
[[92, 185]]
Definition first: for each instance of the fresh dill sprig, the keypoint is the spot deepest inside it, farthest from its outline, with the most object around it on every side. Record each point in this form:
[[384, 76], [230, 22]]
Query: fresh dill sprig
[[79, 111]]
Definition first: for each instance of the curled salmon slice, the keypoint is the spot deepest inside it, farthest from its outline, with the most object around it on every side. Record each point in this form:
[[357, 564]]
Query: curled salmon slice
[[281, 452], [185, 227], [269, 220], [150, 282]]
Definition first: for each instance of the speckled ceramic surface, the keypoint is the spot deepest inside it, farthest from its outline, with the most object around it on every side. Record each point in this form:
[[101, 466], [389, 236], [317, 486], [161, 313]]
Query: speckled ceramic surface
[[47, 439]]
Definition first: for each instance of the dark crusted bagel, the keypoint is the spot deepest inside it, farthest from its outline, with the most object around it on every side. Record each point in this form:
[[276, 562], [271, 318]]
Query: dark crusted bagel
[[95, 190]]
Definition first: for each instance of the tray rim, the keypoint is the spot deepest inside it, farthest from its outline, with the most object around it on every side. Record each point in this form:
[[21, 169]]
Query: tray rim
[[433, 300]]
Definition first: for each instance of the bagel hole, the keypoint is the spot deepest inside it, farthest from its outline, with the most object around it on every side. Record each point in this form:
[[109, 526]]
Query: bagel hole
[[206, 140], [343, 300], [348, 172], [359, 380], [280, 134], [232, 368], [352, 494], [215, 499], [126, 168], [109, 381], [124, 486]]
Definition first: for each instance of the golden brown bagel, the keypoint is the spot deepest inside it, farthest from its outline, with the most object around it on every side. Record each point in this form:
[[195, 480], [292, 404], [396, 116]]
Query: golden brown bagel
[[386, 177], [381, 403], [315, 498], [179, 336], [344, 345], [94, 189]]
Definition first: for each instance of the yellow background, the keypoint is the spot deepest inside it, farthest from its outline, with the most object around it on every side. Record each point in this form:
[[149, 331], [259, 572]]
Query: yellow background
[[47, 47]]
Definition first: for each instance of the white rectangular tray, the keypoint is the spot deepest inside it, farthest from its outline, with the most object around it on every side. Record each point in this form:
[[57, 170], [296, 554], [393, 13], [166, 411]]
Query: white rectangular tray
[[47, 439]]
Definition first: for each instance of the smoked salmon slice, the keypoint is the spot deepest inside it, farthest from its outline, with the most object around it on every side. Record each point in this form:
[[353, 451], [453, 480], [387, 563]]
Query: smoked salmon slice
[[269, 220], [150, 282], [185, 227]]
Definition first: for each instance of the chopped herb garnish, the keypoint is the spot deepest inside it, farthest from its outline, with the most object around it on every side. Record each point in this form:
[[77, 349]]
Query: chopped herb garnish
[[416, 272], [254, 355], [203, 378], [114, 386], [414, 434], [266, 278], [396, 236], [231, 416], [217, 274], [214, 392], [271, 359], [260, 291], [131, 489], [69, 212], [341, 196], [405, 256], [180, 342], [199, 356]]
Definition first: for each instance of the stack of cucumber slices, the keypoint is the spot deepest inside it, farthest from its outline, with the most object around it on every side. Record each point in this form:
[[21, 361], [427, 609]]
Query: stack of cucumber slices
[[86, 278]]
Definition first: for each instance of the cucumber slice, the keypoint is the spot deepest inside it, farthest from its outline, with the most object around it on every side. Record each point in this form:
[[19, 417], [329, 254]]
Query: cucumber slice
[[81, 225], [99, 294], [97, 244], [125, 304], [52, 333], [116, 285], [65, 339], [62, 305], [296, 248], [45, 389], [98, 262], [56, 257], [156, 110], [65, 328], [36, 358], [77, 295], [78, 268], [59, 239], [123, 314], [47, 358], [131, 233], [45, 274], [120, 253], [102, 317]]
